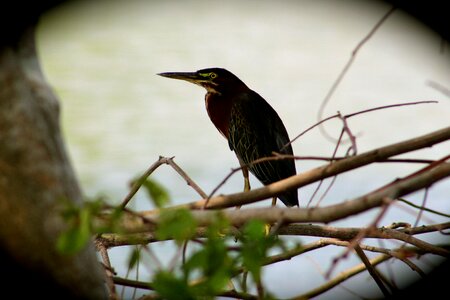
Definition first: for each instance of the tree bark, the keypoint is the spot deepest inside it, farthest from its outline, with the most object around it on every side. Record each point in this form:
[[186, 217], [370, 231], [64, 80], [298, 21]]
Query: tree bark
[[36, 178]]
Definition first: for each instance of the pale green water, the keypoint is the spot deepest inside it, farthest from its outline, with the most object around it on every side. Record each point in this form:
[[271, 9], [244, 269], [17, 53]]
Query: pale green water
[[118, 116]]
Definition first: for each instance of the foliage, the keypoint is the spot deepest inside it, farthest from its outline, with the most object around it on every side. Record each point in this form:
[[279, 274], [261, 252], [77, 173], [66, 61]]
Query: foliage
[[177, 224], [156, 192], [209, 268], [79, 226]]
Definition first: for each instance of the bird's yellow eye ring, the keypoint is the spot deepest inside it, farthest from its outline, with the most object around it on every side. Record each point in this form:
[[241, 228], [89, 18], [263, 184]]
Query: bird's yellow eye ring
[[212, 75]]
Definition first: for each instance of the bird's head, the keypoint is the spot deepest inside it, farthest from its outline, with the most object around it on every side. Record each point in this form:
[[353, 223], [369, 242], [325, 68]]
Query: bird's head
[[214, 80]]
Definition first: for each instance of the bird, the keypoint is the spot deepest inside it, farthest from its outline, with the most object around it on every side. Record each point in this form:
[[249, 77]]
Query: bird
[[252, 127]]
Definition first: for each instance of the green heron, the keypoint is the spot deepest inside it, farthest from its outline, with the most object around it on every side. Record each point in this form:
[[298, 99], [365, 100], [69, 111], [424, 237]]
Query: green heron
[[252, 127]]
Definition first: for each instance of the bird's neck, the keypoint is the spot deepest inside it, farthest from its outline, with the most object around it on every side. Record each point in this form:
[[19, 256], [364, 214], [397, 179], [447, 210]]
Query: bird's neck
[[218, 107]]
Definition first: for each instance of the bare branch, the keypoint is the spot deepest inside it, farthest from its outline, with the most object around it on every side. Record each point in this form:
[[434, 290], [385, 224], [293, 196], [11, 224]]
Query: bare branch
[[186, 177], [138, 183], [342, 233], [341, 277], [380, 154], [372, 271], [389, 106], [350, 62], [330, 213], [423, 208]]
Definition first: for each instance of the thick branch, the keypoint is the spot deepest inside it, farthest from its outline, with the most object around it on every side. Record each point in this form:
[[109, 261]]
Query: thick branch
[[308, 177], [330, 213]]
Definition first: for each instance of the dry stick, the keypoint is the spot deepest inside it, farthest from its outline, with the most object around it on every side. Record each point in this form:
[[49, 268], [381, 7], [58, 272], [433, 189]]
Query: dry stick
[[186, 177], [351, 136], [355, 114], [389, 106], [348, 233], [424, 201], [424, 208], [372, 271], [305, 178], [323, 242], [398, 253], [355, 241], [341, 277], [332, 156], [138, 183], [331, 183], [161, 160], [108, 270], [348, 65]]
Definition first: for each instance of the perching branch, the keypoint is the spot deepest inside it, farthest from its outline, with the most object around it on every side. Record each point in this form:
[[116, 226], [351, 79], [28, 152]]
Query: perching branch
[[341, 166]]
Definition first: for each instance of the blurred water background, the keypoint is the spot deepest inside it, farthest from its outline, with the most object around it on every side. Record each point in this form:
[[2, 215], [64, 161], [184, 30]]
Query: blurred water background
[[101, 57]]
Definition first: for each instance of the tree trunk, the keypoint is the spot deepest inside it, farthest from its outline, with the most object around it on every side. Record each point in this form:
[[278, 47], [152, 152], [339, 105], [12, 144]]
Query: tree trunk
[[35, 176]]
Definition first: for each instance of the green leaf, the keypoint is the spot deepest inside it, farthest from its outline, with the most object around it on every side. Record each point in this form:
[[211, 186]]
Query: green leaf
[[170, 287], [135, 255], [77, 235], [157, 193], [177, 224], [255, 245], [212, 264]]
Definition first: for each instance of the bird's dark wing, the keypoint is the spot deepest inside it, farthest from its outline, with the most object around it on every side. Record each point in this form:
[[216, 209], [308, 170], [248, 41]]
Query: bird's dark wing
[[255, 132]]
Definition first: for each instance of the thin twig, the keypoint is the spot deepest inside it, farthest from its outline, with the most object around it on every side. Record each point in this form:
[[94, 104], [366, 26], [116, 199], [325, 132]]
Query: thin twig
[[424, 208], [138, 183], [351, 136], [355, 114], [372, 271], [424, 201], [341, 277], [321, 181], [349, 63], [355, 241], [389, 106], [186, 177]]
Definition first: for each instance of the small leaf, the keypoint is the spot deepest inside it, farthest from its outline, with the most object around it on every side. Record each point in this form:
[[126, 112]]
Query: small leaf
[[135, 255], [212, 264], [77, 235], [255, 245], [255, 230], [177, 224], [157, 193]]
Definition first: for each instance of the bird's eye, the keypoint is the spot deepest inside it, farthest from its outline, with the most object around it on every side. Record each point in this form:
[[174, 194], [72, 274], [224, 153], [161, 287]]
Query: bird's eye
[[212, 75]]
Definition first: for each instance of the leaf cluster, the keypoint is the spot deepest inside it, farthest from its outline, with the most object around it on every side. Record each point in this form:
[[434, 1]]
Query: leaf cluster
[[216, 259]]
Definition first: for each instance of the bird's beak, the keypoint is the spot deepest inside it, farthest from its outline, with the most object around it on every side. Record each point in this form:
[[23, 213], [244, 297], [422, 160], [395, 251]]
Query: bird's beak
[[188, 76]]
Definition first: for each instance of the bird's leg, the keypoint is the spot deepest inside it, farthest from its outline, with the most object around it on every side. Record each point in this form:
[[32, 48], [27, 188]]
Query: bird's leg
[[267, 227], [246, 179], [274, 201]]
